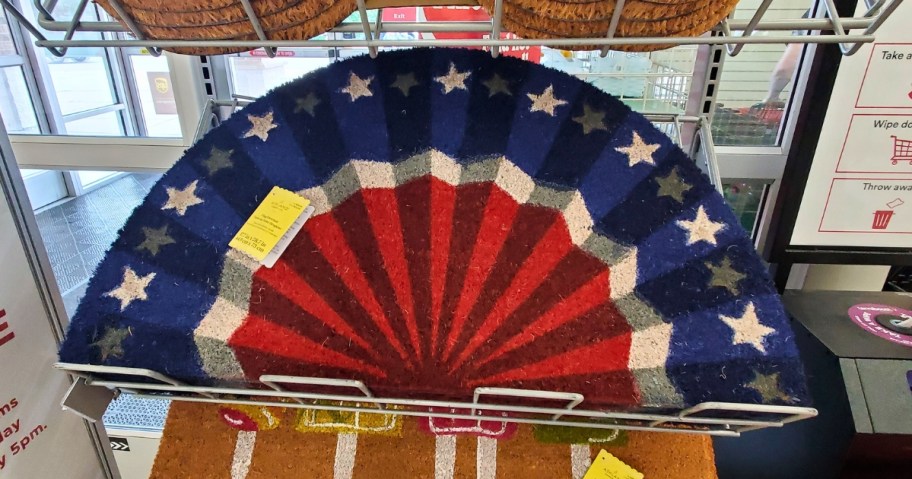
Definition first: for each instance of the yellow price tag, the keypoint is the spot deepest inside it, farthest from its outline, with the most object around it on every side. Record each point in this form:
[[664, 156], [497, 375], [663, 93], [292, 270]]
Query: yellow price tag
[[606, 466], [268, 223]]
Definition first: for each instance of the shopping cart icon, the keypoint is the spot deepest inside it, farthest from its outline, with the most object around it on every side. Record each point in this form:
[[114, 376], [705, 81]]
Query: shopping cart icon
[[902, 150]]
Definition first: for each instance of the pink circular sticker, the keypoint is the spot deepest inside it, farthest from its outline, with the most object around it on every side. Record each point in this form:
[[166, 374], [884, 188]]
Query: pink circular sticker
[[889, 322]]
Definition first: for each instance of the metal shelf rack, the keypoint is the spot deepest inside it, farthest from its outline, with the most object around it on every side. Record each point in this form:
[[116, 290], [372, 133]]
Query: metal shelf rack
[[712, 418], [849, 32], [512, 405]]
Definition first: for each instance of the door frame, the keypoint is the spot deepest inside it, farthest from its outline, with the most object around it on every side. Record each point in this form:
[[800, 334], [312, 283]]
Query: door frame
[[12, 185]]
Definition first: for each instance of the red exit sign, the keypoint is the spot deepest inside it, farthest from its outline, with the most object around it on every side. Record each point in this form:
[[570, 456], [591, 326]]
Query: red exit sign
[[5, 334]]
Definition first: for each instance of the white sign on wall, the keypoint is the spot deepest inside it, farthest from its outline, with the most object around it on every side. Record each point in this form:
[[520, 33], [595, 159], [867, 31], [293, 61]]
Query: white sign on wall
[[37, 438], [859, 191]]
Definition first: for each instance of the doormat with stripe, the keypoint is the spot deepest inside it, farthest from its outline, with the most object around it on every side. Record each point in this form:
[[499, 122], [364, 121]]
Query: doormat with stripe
[[294, 443], [479, 222]]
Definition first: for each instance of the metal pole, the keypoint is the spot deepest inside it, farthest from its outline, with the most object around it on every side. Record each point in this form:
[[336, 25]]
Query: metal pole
[[496, 22], [612, 26], [255, 23], [131, 25]]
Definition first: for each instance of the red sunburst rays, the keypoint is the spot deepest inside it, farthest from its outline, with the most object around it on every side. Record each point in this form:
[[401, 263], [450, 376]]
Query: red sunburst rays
[[496, 220], [440, 289]]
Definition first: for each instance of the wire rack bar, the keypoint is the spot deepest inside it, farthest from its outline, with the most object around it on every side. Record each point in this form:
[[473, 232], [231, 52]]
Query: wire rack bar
[[467, 42], [496, 24], [735, 33], [255, 22], [480, 26], [366, 27], [509, 409], [733, 50], [613, 24], [129, 23]]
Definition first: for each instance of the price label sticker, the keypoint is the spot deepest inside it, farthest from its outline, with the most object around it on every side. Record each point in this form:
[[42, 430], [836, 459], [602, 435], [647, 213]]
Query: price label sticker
[[606, 466], [271, 220]]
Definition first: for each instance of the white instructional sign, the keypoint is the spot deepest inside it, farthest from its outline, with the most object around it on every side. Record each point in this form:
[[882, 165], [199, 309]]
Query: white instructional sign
[[37, 438], [859, 192]]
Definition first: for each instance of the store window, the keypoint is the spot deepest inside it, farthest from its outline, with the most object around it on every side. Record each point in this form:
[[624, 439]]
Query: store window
[[89, 91], [86, 100], [653, 82], [16, 101], [746, 199], [253, 74], [756, 85], [154, 92]]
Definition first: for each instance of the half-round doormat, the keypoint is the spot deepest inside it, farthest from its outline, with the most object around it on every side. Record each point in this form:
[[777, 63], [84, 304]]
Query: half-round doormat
[[639, 18], [227, 20], [479, 222], [195, 443]]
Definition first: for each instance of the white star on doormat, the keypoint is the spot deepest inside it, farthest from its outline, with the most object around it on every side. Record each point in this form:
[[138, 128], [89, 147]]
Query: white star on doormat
[[132, 288], [453, 80], [748, 329], [260, 126], [545, 101], [357, 86], [701, 228], [181, 199], [639, 151]]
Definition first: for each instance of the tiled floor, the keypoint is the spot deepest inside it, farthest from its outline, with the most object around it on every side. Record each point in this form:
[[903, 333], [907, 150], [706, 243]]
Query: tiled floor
[[78, 232]]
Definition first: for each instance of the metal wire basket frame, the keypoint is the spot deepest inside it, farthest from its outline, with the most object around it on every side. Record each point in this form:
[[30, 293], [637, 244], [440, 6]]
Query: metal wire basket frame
[[831, 28]]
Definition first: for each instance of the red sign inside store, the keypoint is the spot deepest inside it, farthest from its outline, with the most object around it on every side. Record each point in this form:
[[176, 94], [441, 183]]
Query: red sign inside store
[[402, 14], [476, 14]]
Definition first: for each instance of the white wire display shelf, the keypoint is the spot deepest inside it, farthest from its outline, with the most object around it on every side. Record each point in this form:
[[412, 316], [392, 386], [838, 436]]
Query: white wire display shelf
[[849, 32], [488, 403]]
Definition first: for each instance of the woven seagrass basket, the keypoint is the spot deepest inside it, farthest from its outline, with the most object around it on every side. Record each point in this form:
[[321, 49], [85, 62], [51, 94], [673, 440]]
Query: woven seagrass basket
[[227, 20]]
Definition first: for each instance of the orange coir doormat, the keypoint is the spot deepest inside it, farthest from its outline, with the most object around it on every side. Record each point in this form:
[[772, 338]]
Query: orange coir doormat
[[294, 443]]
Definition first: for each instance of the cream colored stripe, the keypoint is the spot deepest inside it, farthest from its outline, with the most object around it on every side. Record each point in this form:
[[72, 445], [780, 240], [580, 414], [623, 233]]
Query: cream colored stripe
[[243, 454], [579, 460], [578, 219], [649, 347], [317, 198], [445, 457], [486, 458], [374, 174], [624, 275], [222, 320], [346, 450], [445, 168], [514, 181]]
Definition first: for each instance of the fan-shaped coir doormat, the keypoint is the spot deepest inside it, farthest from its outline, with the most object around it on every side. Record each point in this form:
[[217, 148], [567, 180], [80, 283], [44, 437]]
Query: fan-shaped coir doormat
[[479, 222], [195, 443]]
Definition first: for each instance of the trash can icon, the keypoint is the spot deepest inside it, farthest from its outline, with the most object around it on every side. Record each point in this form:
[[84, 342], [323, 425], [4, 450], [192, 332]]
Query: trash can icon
[[882, 219]]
